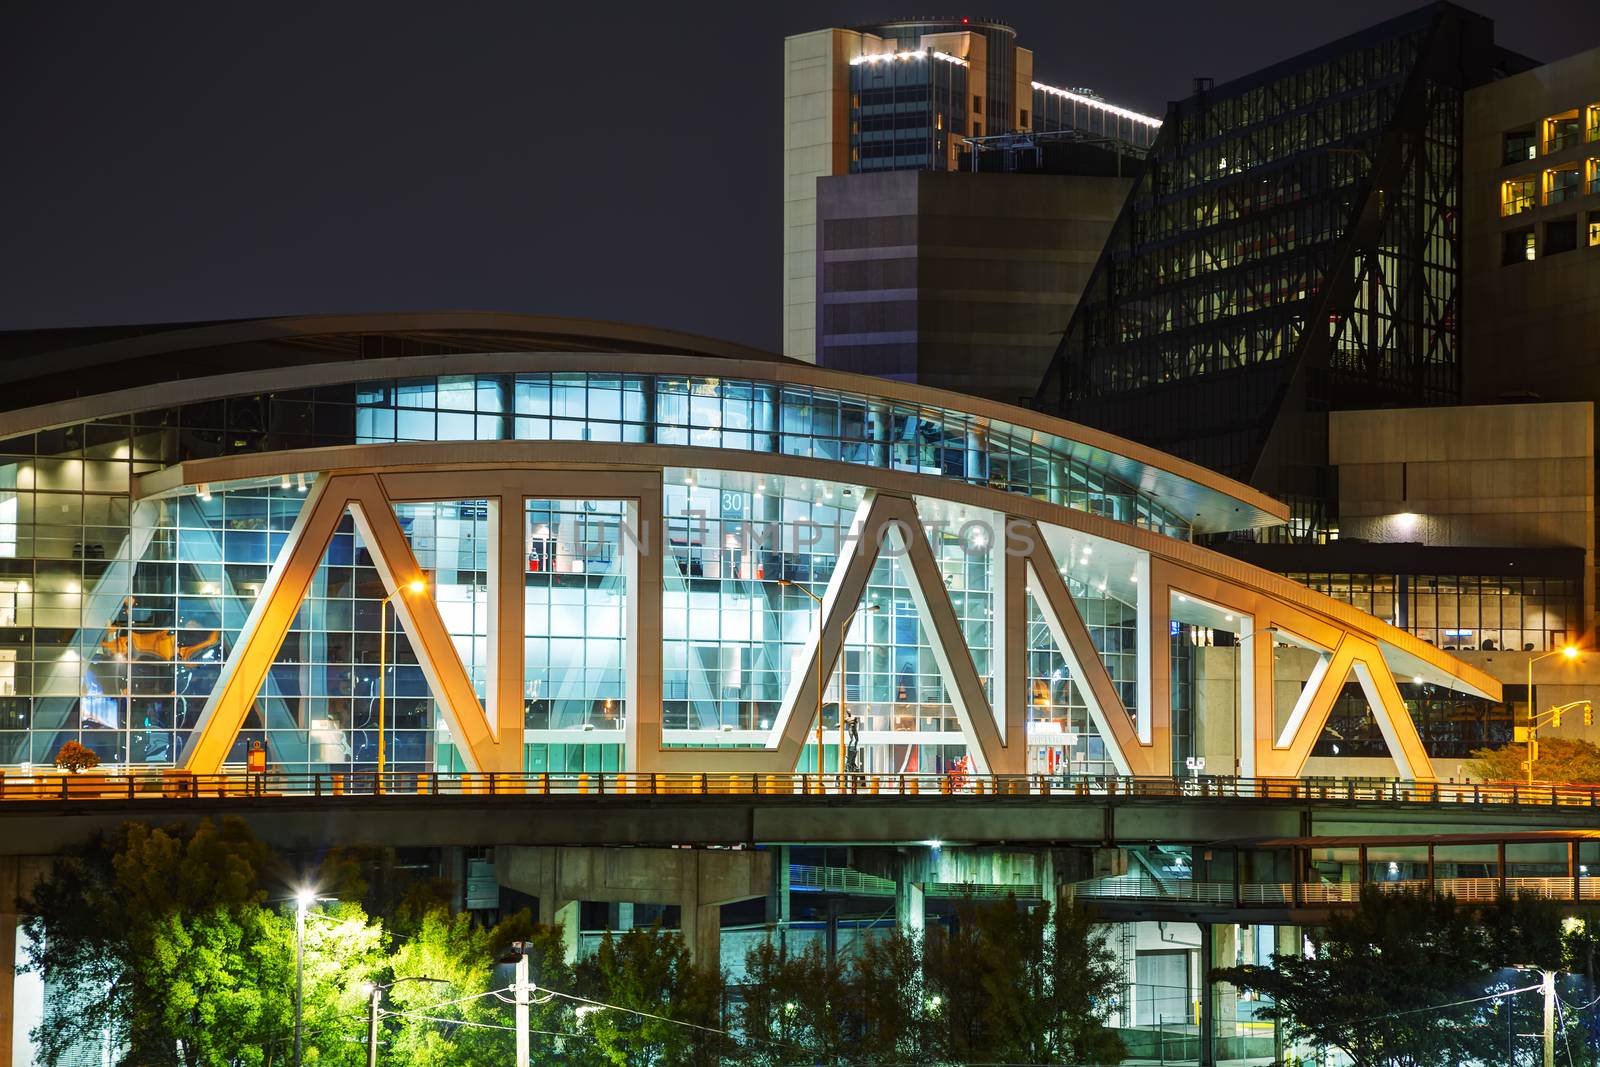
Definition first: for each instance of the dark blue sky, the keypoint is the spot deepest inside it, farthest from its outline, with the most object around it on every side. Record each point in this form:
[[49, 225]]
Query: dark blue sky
[[172, 160]]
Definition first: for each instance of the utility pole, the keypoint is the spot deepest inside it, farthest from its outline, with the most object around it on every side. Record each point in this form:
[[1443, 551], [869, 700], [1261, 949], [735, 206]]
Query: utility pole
[[372, 1026], [1547, 985], [521, 993]]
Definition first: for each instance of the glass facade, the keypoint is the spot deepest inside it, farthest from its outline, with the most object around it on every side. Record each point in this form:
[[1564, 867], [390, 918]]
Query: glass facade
[[115, 618], [908, 111], [121, 600], [1464, 612], [1300, 224]]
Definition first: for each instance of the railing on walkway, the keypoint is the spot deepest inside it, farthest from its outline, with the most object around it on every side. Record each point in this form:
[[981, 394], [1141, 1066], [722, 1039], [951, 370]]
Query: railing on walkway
[[96, 785], [1143, 888]]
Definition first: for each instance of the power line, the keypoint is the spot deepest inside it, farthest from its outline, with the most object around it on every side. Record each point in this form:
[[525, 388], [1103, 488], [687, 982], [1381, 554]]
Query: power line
[[1451, 1004]]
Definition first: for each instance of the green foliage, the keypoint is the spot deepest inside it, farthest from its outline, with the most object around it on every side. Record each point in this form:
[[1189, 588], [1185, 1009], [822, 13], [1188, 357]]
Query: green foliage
[[1385, 982], [646, 975], [1003, 984], [792, 1002], [885, 1001], [459, 954], [178, 941], [1561, 759], [74, 757], [1013, 986], [164, 939]]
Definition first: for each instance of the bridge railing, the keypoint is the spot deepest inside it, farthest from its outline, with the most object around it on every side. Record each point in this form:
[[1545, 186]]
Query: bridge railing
[[1143, 888], [168, 783]]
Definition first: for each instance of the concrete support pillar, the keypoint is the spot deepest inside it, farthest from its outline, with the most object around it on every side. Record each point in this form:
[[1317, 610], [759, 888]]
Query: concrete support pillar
[[701, 927], [1219, 1007], [778, 894], [1287, 942], [569, 915], [910, 908], [9, 891]]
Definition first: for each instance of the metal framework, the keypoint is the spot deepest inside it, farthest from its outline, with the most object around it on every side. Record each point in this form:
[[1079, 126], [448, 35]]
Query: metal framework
[[1293, 245], [887, 522]]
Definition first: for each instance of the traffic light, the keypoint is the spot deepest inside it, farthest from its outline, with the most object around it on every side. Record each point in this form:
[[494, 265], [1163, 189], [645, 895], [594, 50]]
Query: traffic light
[[1588, 715], [1555, 717], [1533, 751]]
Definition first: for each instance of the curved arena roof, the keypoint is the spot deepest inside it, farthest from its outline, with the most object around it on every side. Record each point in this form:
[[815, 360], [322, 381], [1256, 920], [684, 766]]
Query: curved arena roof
[[55, 377]]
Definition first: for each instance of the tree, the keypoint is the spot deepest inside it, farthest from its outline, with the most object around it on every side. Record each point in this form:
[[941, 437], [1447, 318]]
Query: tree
[[792, 1002], [885, 1005], [652, 990], [1084, 981], [1561, 759], [162, 937], [73, 757], [457, 1019], [165, 939], [1394, 982], [1005, 983]]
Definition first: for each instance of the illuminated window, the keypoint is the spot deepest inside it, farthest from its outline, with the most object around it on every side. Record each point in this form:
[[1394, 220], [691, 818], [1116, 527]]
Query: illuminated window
[[1518, 195], [1562, 184], [1520, 145], [1594, 176], [1592, 123], [1561, 131], [1518, 246], [1594, 229]]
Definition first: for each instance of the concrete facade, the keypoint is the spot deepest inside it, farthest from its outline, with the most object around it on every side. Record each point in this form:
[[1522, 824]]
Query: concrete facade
[[816, 81], [698, 881], [1499, 476], [955, 280], [1530, 327]]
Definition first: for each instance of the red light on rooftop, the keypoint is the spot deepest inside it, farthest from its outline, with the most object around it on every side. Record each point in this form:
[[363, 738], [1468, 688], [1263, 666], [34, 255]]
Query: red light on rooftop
[[965, 20]]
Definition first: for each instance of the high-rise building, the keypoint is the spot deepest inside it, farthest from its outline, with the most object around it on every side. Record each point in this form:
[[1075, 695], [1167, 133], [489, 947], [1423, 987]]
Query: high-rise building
[[902, 96], [1293, 246], [1532, 159], [1318, 266]]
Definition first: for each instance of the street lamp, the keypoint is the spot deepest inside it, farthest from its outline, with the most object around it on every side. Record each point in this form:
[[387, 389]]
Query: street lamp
[[303, 899], [375, 993], [416, 586], [1568, 652]]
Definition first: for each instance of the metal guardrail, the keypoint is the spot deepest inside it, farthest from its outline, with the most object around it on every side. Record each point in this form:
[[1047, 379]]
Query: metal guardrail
[[365, 783], [1284, 894]]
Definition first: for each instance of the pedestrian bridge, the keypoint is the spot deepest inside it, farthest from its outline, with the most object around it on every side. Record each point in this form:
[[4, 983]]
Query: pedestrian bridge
[[39, 814]]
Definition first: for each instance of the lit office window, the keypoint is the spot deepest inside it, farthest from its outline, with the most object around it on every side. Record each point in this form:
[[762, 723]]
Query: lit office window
[[1562, 131], [1518, 195], [1562, 184]]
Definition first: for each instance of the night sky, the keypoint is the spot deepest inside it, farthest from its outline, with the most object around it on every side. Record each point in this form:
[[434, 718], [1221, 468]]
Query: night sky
[[167, 161]]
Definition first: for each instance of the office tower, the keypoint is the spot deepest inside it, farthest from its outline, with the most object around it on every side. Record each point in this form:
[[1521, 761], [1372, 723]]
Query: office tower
[[906, 96]]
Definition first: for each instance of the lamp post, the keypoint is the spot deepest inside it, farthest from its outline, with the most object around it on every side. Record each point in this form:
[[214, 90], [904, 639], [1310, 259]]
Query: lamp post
[[418, 586], [821, 622], [302, 900], [844, 633], [1568, 651]]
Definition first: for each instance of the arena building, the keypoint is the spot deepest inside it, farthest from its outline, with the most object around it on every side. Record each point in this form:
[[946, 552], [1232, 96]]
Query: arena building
[[496, 542]]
